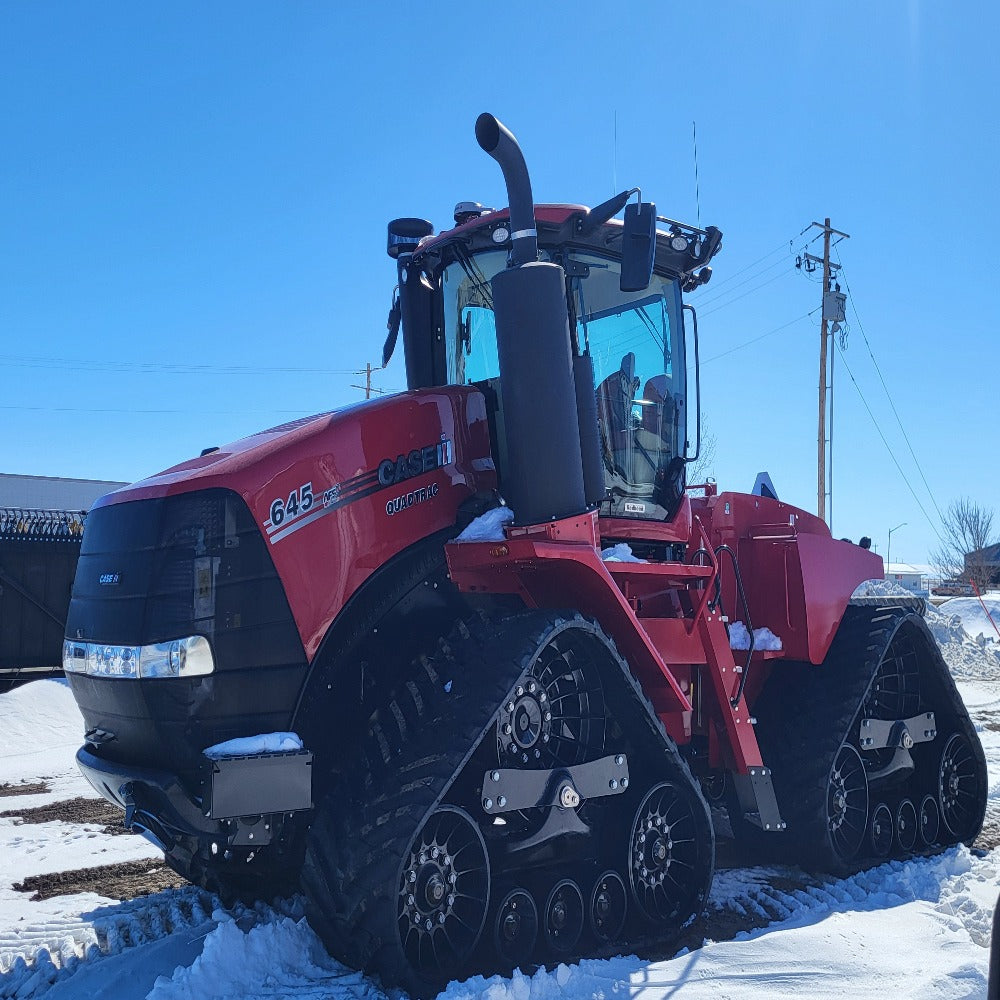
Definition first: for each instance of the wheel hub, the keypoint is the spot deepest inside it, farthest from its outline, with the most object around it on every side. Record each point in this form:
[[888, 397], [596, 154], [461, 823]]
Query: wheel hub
[[525, 723]]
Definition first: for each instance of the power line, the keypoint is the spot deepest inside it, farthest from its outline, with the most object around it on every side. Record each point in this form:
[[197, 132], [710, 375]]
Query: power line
[[886, 443], [748, 343], [749, 291], [720, 294], [736, 274], [160, 368], [888, 395]]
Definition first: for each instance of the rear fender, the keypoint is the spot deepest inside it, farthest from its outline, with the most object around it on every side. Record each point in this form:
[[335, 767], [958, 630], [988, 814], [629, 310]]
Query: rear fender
[[798, 578]]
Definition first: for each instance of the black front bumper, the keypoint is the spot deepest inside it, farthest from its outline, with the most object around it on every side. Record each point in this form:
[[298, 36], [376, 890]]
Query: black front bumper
[[244, 800]]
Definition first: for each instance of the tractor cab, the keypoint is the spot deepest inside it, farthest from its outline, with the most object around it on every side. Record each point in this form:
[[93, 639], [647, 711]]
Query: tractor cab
[[624, 315]]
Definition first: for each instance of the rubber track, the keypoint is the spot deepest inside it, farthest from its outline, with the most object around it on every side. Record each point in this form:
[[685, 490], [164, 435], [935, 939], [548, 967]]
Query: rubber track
[[806, 713], [415, 751]]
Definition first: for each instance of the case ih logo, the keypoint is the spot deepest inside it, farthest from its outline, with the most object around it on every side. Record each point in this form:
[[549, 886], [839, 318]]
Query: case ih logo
[[418, 461], [109, 579]]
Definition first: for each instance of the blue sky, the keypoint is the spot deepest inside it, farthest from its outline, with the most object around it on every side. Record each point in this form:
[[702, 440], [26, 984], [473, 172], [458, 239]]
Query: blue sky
[[194, 202]]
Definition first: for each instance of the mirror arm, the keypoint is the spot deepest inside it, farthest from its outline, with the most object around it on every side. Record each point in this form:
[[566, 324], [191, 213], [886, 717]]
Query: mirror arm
[[697, 384]]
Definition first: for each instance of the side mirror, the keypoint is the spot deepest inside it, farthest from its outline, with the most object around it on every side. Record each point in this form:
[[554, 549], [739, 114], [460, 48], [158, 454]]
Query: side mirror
[[638, 246]]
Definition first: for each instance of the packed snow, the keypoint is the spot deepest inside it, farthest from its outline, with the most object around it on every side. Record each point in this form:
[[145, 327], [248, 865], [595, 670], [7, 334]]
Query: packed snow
[[919, 927], [246, 746], [763, 638], [487, 527], [622, 552]]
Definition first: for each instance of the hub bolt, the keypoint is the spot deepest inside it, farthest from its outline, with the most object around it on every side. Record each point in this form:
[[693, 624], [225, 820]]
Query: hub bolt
[[495, 776], [502, 801]]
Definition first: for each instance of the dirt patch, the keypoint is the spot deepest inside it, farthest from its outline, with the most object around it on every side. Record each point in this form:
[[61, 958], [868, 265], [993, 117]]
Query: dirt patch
[[79, 810], [122, 881], [24, 788], [989, 836]]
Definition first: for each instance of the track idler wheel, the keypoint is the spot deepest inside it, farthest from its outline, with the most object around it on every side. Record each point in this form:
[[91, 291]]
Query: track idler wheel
[[515, 930], [444, 891], [847, 803], [959, 790], [881, 831], [929, 821], [663, 854], [608, 907], [906, 825], [564, 916]]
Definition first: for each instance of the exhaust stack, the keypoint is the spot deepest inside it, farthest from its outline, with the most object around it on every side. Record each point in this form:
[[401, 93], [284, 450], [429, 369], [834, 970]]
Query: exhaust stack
[[544, 478]]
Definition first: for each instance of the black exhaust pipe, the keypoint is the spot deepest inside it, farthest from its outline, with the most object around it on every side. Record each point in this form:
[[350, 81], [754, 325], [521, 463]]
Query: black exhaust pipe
[[538, 392], [498, 141]]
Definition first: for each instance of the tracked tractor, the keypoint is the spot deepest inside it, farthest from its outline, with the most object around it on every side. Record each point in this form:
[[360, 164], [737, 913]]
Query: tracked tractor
[[459, 662]]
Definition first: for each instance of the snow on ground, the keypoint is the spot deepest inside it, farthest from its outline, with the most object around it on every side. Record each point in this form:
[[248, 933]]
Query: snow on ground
[[919, 927]]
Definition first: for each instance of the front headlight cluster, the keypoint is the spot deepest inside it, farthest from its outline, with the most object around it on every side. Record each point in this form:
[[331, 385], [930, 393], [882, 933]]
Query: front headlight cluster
[[190, 657]]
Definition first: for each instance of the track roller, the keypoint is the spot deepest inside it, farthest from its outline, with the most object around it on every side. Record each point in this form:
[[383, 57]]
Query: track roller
[[563, 916], [881, 831], [515, 929], [929, 821], [906, 825], [608, 907]]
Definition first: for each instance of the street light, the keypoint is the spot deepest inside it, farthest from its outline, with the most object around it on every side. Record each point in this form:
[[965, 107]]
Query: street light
[[888, 549]]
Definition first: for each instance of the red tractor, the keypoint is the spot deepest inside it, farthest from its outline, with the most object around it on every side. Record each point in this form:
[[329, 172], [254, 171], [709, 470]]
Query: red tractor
[[482, 732]]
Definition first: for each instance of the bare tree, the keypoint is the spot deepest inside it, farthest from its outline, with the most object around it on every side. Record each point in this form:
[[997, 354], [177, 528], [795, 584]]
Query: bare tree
[[967, 530], [702, 467]]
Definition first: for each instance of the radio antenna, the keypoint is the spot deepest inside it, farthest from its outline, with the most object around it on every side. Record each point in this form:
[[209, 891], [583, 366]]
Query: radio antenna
[[697, 192], [614, 152]]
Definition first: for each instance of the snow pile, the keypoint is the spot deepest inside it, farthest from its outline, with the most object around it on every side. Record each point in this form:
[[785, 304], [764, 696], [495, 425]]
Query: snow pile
[[280, 957], [880, 588], [975, 620], [967, 658], [763, 638], [246, 746], [622, 552], [488, 527]]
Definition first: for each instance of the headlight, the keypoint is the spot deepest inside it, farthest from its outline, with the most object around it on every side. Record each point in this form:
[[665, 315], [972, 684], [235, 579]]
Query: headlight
[[190, 657]]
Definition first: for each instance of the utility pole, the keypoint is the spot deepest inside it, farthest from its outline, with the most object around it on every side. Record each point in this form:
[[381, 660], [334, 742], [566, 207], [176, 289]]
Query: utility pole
[[367, 387], [833, 311]]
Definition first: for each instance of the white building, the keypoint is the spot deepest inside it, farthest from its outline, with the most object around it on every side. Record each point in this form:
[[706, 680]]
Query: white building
[[909, 577], [50, 493]]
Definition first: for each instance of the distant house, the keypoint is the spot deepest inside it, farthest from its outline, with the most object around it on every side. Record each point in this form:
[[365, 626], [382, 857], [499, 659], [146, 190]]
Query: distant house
[[909, 577], [984, 565]]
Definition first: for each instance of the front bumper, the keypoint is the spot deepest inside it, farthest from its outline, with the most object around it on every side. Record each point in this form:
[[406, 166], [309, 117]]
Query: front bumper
[[244, 803]]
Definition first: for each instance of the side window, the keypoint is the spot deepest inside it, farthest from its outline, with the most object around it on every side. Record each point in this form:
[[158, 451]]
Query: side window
[[469, 327], [479, 333]]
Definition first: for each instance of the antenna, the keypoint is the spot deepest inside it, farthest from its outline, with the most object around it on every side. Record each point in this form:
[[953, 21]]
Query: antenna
[[697, 191], [614, 151]]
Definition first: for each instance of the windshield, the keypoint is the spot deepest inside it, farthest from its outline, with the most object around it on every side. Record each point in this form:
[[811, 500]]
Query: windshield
[[636, 344]]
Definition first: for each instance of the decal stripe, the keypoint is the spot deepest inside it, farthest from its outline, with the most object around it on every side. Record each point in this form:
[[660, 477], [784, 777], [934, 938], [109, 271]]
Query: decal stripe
[[317, 514]]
